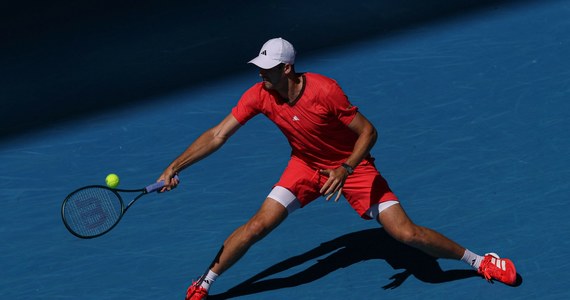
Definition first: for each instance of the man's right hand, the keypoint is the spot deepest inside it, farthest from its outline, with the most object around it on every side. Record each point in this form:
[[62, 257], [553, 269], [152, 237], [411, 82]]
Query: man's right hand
[[170, 182]]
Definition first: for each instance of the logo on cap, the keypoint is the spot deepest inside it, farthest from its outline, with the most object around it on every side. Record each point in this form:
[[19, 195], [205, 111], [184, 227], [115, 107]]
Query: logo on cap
[[274, 52]]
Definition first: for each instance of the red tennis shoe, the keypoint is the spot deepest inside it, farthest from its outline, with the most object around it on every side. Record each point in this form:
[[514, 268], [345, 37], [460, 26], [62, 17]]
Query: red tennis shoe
[[196, 292], [501, 269]]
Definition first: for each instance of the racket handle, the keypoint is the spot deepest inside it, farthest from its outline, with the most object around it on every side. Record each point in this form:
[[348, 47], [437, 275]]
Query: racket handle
[[157, 185]]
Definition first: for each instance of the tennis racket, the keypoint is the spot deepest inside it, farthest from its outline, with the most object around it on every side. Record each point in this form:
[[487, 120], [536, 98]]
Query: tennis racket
[[94, 210]]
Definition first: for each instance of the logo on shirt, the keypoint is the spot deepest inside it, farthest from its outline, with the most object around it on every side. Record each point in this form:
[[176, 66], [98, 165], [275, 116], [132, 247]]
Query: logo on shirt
[[295, 119]]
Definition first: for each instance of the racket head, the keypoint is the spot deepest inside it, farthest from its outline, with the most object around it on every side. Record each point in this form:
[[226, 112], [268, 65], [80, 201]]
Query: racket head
[[92, 211]]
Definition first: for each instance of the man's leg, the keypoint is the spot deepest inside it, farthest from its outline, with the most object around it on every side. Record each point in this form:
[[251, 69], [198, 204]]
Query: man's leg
[[398, 225], [269, 216]]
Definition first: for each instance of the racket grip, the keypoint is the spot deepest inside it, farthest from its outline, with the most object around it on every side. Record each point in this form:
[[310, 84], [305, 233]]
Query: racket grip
[[157, 185]]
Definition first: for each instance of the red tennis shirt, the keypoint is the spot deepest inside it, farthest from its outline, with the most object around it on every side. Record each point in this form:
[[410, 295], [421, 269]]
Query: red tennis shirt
[[315, 125]]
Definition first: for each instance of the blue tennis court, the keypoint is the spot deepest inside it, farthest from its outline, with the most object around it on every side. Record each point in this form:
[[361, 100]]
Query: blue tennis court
[[473, 118]]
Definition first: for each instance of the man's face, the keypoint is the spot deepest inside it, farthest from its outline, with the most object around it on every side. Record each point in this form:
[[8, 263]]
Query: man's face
[[274, 77]]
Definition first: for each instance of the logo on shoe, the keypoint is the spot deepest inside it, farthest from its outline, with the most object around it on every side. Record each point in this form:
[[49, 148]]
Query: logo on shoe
[[501, 264]]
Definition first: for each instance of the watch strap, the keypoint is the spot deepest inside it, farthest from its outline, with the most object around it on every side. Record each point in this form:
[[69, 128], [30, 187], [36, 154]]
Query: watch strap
[[348, 168]]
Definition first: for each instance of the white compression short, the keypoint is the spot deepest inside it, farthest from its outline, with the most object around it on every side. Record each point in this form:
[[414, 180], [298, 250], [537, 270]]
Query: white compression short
[[286, 198], [377, 208], [291, 203]]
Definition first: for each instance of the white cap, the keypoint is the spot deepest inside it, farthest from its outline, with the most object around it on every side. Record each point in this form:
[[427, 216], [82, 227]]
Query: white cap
[[274, 52]]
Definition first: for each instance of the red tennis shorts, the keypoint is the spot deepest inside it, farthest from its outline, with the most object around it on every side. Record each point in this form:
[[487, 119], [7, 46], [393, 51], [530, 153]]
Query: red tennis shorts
[[364, 188]]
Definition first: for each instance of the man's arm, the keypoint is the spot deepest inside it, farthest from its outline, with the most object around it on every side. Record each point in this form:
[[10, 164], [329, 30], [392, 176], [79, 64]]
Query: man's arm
[[367, 136], [210, 141]]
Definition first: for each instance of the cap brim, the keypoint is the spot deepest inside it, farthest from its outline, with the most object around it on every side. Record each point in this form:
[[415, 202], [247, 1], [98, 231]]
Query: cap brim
[[264, 62]]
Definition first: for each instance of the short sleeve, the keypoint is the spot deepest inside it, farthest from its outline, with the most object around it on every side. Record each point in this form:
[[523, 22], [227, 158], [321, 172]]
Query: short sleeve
[[340, 105], [247, 106]]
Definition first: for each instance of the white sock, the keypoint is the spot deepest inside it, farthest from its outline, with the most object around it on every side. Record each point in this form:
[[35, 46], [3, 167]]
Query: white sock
[[209, 279], [472, 259]]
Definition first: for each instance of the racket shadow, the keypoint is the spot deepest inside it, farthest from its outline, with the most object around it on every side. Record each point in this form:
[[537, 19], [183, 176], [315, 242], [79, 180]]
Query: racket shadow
[[343, 252]]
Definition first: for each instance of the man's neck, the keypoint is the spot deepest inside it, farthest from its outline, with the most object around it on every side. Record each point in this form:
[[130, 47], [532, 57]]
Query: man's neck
[[294, 87]]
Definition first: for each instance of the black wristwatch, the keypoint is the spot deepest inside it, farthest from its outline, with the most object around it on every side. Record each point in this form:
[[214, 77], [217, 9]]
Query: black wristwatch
[[348, 168]]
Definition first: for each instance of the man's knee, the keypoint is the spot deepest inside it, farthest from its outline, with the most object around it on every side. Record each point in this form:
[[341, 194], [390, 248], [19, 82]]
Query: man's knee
[[256, 229], [410, 234], [260, 226], [264, 221]]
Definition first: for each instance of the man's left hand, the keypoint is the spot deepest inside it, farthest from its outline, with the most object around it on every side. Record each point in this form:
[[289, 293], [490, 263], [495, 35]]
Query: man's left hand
[[334, 184]]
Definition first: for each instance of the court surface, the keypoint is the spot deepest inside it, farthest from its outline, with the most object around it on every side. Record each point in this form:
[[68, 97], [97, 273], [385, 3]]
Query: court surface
[[473, 120]]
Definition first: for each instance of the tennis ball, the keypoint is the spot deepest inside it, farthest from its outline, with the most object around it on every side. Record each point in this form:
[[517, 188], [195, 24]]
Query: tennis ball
[[112, 180]]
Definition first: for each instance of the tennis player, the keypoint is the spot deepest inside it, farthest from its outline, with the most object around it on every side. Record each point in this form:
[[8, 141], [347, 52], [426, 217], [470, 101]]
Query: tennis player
[[330, 141]]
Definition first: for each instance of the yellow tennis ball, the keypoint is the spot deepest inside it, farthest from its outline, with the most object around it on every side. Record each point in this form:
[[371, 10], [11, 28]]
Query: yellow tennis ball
[[112, 180]]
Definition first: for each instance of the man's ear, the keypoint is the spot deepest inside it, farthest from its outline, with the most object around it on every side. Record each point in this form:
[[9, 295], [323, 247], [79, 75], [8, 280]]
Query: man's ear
[[287, 69]]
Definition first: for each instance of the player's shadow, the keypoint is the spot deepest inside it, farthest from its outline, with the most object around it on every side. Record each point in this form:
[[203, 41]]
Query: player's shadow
[[345, 251]]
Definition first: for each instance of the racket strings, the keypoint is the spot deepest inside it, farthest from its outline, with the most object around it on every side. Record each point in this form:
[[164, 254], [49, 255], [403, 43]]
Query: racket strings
[[92, 211]]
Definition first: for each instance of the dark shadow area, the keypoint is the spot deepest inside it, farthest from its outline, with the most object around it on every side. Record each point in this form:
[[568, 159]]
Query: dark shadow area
[[345, 251], [62, 59]]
